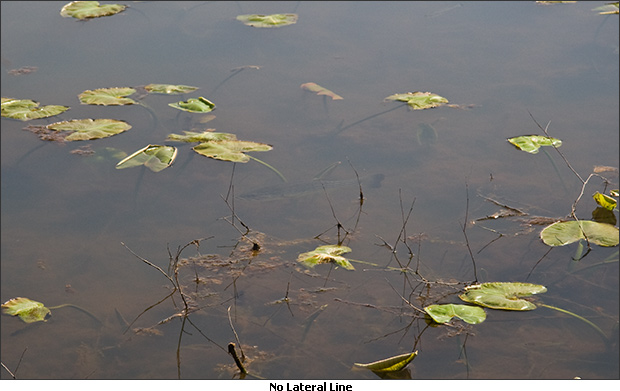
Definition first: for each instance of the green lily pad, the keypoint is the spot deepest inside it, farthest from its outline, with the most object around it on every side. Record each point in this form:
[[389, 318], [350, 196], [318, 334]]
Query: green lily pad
[[194, 105], [155, 157], [115, 96], [442, 313], [313, 87], [326, 254], [532, 143], [419, 100], [201, 137], [274, 20], [502, 295], [566, 232], [230, 150], [391, 364], [90, 129], [608, 9], [26, 109], [90, 9], [605, 201], [169, 89], [28, 310]]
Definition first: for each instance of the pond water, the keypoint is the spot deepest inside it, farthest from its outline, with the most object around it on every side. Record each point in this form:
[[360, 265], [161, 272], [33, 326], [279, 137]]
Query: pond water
[[70, 222]]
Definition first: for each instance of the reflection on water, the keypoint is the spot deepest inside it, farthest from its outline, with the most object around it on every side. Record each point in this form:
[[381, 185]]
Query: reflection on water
[[65, 215]]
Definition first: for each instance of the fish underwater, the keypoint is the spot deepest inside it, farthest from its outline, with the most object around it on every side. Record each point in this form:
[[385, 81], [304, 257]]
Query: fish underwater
[[297, 190]]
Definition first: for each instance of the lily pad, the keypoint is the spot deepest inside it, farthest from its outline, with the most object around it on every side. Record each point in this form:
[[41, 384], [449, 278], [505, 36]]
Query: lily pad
[[26, 109], [274, 20], [502, 295], [28, 310], [442, 313], [169, 89], [532, 143], [90, 129], [90, 9], [608, 9], [419, 100], [391, 364], [194, 105], [326, 254], [566, 232], [230, 150], [115, 96], [313, 87], [201, 137], [605, 201], [155, 157]]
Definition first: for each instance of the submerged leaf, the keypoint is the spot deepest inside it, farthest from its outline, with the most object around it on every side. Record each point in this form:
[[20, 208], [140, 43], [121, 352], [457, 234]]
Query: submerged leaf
[[532, 143], [26, 109], [419, 100], [90, 9], [231, 150], [274, 20], [155, 157], [108, 96], [202, 137], [326, 254], [169, 89], [566, 232], [313, 87], [28, 310], [605, 201], [502, 295], [442, 313], [391, 364], [194, 105], [89, 129]]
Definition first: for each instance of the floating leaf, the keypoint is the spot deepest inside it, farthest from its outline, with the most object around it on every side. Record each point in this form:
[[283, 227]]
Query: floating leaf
[[326, 254], [90, 9], [230, 150], [391, 364], [502, 295], [419, 100], [442, 313], [313, 87], [169, 89], [566, 232], [194, 105], [26, 109], [155, 157], [89, 129], [107, 96], [28, 310], [201, 137], [274, 20], [532, 143], [608, 9], [605, 201]]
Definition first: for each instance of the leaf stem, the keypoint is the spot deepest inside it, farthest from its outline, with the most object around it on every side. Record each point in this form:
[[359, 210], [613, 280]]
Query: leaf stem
[[269, 166], [578, 317]]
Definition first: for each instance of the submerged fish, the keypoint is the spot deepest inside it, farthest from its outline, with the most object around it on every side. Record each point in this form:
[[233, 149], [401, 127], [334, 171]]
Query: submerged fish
[[296, 190]]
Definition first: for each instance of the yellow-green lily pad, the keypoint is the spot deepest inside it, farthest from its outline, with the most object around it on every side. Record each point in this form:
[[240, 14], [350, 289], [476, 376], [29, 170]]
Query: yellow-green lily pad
[[115, 96], [605, 201], [230, 150], [169, 89], [26, 109], [194, 105], [419, 100], [391, 364], [566, 232], [201, 137], [274, 20], [155, 157], [90, 9], [326, 254], [90, 129], [28, 310], [502, 295], [442, 313], [532, 143]]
